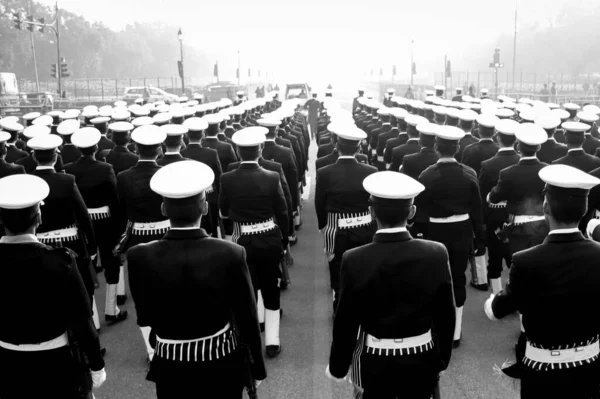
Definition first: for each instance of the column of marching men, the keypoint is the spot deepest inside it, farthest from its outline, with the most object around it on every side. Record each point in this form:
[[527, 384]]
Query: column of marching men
[[511, 181], [92, 190]]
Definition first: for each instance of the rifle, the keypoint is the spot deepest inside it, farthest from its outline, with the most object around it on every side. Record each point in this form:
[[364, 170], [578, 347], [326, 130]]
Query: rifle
[[285, 260], [249, 381]]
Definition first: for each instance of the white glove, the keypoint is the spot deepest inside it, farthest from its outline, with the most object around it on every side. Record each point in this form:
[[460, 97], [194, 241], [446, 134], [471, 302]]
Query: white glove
[[487, 307], [591, 226], [258, 382], [98, 378], [331, 377]]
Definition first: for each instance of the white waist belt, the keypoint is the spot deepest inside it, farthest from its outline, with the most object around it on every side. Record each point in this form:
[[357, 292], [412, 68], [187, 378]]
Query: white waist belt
[[68, 234], [577, 354], [373, 151], [191, 341], [55, 343], [450, 219], [400, 343], [501, 204], [379, 158], [257, 227], [522, 219], [597, 214], [99, 213], [362, 220], [151, 227]]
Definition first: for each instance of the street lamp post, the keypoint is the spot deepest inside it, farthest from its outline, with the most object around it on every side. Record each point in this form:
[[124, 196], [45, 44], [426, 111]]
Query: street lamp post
[[180, 37], [412, 61]]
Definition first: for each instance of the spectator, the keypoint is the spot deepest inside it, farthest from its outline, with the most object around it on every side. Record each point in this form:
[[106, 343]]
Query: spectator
[[553, 92], [472, 90], [409, 95], [544, 93]]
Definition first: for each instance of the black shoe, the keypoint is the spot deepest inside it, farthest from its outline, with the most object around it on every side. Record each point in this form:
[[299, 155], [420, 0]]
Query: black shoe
[[283, 285], [121, 300], [262, 327], [456, 343], [294, 241], [480, 287], [102, 351], [98, 269], [298, 225], [280, 313], [273, 350], [116, 319]]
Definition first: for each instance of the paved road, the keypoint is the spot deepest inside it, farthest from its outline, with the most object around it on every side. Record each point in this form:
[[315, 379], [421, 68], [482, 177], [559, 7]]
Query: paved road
[[299, 372]]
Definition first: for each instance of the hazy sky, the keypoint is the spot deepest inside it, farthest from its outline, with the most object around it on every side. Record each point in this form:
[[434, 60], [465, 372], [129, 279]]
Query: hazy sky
[[351, 35]]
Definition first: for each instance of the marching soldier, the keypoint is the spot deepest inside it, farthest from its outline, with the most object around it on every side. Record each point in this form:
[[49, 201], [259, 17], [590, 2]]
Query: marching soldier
[[187, 273], [575, 137], [69, 152], [98, 186], [560, 359], [48, 282], [485, 93], [120, 157], [13, 153], [6, 168], [387, 101], [452, 202], [101, 123], [591, 144], [564, 116], [29, 162], [485, 148], [466, 119], [386, 126], [342, 204], [140, 207], [522, 189], [210, 140], [405, 341], [399, 140], [173, 143], [355, 103], [495, 215], [414, 164], [550, 151], [210, 157], [440, 91], [572, 109], [253, 199], [332, 157], [411, 146], [394, 132], [459, 95]]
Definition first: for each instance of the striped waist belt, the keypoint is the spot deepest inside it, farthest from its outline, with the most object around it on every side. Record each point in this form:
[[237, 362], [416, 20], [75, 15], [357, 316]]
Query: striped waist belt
[[450, 219], [151, 228], [522, 219], [204, 349], [373, 151], [55, 343], [66, 234], [361, 219], [210, 190], [99, 213], [570, 357], [379, 158], [257, 228], [499, 205], [400, 346]]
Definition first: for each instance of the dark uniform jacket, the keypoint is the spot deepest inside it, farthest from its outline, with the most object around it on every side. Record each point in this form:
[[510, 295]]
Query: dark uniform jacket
[[383, 138], [564, 271], [285, 157], [121, 159], [252, 194], [577, 158], [339, 189], [412, 146], [225, 150], [188, 285], [559, 136], [64, 207], [550, 151], [209, 157], [169, 159], [478, 152], [137, 202], [29, 163], [69, 153], [451, 189], [374, 140], [393, 143], [295, 147], [464, 143], [49, 287], [521, 187], [488, 178], [590, 144], [414, 164], [105, 144], [325, 149], [273, 167], [414, 278], [7, 169], [330, 159], [13, 154]]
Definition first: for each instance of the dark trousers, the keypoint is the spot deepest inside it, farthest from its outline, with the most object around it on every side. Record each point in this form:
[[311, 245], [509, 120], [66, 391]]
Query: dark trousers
[[19, 379], [497, 251], [264, 266], [388, 377], [573, 383], [106, 239], [527, 235], [221, 378], [212, 219], [458, 239]]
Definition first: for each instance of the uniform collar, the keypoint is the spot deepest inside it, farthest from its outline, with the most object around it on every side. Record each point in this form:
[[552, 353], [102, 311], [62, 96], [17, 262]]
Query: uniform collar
[[412, 140], [19, 239], [346, 157], [248, 162], [551, 139], [44, 168], [565, 231], [392, 230], [447, 160], [576, 151], [182, 234], [172, 153], [506, 149], [486, 139], [528, 158]]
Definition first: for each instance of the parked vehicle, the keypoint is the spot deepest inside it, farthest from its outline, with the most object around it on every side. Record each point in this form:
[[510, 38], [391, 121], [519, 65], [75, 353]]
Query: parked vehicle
[[13, 102], [148, 93]]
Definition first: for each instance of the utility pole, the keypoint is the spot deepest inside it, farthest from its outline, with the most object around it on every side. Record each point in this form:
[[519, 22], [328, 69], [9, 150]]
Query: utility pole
[[239, 70], [412, 61], [514, 66], [37, 78], [445, 72], [180, 37], [58, 58]]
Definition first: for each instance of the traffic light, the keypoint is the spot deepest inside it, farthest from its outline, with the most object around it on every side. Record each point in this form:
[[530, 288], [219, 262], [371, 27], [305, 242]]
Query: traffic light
[[64, 71], [53, 70], [17, 19], [497, 56], [43, 22], [414, 68], [448, 69], [30, 25], [394, 70]]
